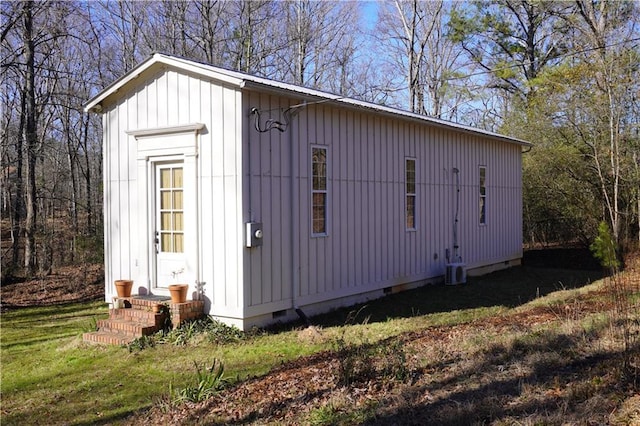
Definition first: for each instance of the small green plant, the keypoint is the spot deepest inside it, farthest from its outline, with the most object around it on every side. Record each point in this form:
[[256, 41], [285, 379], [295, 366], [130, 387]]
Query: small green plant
[[325, 415], [164, 402], [141, 343], [208, 381], [214, 330], [355, 361], [394, 358], [604, 248], [219, 332], [92, 325]]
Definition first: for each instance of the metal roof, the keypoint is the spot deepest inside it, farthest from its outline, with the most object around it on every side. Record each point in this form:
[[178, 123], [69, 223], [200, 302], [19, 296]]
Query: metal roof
[[248, 81]]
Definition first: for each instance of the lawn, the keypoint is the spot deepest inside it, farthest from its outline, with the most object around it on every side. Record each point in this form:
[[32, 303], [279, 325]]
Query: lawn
[[49, 376]]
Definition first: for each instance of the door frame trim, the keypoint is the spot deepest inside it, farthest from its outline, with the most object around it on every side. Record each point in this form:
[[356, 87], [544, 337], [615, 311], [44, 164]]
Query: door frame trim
[[179, 143]]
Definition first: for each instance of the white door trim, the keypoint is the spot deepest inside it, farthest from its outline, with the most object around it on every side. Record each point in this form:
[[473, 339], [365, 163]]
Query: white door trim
[[162, 145]]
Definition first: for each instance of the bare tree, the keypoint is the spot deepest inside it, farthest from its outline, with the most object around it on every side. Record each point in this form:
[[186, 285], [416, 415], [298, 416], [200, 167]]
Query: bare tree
[[313, 41], [414, 35], [123, 21], [206, 37], [605, 30], [30, 135]]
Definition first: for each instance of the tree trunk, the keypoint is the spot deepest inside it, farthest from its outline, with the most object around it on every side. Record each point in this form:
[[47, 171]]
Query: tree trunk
[[18, 213], [31, 140], [87, 175]]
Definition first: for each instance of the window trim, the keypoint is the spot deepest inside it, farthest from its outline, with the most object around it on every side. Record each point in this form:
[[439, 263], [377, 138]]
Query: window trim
[[482, 193], [410, 194], [324, 191]]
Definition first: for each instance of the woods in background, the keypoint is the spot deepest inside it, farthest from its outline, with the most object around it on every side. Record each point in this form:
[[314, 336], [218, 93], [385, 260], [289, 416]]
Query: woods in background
[[563, 75]]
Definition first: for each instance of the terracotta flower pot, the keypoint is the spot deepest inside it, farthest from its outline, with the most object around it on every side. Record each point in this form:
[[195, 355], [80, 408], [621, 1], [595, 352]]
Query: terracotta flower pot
[[123, 287], [178, 292]]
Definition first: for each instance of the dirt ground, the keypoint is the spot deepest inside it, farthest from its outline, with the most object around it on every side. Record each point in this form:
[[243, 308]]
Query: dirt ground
[[542, 367], [64, 285]]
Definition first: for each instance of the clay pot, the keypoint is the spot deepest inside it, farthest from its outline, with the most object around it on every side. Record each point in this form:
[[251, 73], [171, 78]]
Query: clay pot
[[178, 292], [123, 287]]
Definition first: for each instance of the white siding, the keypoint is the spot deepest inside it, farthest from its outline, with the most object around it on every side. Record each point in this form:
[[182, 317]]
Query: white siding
[[168, 98], [244, 176], [268, 199], [367, 246]]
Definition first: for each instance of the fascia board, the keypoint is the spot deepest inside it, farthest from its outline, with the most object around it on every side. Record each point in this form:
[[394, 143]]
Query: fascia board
[[241, 80], [316, 96], [118, 84], [156, 58]]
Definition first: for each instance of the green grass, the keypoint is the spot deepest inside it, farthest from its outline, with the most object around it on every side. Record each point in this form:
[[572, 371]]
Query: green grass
[[49, 376]]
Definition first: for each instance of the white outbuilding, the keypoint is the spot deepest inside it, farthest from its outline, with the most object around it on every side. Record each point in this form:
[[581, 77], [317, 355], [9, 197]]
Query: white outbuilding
[[267, 198]]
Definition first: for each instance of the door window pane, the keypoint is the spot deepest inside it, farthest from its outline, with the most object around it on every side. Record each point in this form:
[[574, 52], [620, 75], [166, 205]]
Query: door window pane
[[178, 243], [165, 240], [165, 178], [170, 209], [177, 200], [177, 178], [165, 200], [178, 224]]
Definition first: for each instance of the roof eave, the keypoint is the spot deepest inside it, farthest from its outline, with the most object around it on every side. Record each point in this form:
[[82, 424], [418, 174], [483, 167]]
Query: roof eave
[[311, 94], [94, 104], [242, 80]]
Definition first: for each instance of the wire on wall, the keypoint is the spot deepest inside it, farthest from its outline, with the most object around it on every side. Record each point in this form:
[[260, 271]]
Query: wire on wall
[[271, 123]]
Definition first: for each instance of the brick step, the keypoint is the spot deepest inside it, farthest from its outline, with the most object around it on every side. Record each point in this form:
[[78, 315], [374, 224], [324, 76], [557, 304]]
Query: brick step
[[148, 302], [145, 303], [126, 327], [106, 338], [137, 315], [137, 319]]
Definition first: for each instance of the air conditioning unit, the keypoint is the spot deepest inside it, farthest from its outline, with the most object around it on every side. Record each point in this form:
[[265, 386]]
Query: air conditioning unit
[[455, 274]]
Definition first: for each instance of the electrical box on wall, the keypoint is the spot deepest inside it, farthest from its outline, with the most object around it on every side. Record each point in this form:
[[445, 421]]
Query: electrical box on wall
[[254, 234]]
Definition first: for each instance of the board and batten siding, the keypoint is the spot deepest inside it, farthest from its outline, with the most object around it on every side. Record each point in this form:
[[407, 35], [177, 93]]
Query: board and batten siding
[[164, 98], [367, 246]]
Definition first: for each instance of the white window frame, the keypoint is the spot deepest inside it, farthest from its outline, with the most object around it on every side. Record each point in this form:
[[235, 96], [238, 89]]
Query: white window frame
[[411, 193], [482, 192], [321, 189]]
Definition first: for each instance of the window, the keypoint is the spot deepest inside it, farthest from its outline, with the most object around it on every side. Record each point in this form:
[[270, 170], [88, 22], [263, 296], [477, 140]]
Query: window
[[319, 190], [483, 195], [410, 192], [171, 211]]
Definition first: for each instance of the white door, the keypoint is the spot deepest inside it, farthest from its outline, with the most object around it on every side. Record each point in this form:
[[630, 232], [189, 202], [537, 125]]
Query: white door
[[170, 260]]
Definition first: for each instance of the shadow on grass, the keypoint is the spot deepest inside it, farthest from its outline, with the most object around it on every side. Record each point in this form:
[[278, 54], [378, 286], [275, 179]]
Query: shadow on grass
[[562, 384], [548, 378], [24, 315], [509, 288], [30, 326]]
